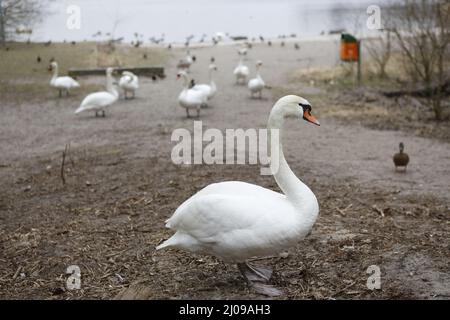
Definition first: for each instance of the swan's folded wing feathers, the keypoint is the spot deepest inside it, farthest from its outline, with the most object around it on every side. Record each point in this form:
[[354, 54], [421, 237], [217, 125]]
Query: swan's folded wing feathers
[[205, 216]]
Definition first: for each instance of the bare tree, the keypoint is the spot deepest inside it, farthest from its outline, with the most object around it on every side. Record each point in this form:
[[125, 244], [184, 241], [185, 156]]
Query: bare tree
[[422, 32], [17, 14], [380, 50]]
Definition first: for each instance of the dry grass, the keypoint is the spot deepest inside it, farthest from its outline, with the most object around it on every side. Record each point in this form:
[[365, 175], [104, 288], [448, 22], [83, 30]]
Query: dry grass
[[22, 78]]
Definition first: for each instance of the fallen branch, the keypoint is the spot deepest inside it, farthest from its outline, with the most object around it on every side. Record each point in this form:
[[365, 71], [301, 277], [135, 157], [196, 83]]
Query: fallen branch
[[63, 163]]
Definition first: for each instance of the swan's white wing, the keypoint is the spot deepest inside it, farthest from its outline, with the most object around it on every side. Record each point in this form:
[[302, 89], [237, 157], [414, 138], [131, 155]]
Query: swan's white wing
[[96, 100], [65, 83], [232, 224], [125, 80], [192, 98], [242, 71], [205, 88]]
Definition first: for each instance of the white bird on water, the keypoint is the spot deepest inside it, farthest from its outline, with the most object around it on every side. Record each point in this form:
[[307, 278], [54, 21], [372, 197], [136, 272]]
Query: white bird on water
[[98, 101], [61, 83], [236, 221], [129, 82], [257, 84]]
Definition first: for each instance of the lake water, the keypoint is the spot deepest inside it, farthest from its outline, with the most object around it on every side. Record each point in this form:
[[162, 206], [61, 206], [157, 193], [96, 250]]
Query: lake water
[[178, 19]]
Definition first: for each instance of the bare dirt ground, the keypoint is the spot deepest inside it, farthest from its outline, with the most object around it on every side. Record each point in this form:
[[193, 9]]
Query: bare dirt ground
[[121, 185]]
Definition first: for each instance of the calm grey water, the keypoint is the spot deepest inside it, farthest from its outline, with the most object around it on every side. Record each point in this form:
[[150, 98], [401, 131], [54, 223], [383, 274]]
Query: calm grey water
[[178, 19]]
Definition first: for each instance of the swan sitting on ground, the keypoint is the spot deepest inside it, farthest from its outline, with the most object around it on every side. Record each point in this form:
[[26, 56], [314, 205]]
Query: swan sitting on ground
[[98, 101], [208, 89], [190, 98], [256, 85], [129, 82], [61, 83], [241, 72], [236, 221]]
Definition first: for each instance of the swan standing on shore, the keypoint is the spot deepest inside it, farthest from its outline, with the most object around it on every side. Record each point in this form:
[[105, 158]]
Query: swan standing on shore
[[208, 89], [190, 98], [185, 64], [256, 85], [129, 82], [236, 221], [241, 72], [61, 83], [98, 101]]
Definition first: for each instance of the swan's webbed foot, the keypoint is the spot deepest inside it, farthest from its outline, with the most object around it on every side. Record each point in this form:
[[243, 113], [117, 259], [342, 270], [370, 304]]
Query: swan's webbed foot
[[258, 277]]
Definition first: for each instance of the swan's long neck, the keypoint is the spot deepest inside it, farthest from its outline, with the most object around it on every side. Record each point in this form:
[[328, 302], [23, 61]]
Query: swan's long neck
[[110, 86], [185, 82], [211, 77], [55, 73], [241, 60], [295, 190], [258, 75]]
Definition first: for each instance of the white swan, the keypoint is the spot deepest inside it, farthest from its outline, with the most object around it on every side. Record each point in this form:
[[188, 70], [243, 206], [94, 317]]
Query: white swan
[[235, 221], [256, 85], [61, 83], [185, 64], [208, 89], [129, 82], [241, 72], [98, 101], [190, 98]]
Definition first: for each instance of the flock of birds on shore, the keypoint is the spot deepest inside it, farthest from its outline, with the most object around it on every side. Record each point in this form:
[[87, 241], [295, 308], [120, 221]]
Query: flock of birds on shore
[[193, 97], [234, 221]]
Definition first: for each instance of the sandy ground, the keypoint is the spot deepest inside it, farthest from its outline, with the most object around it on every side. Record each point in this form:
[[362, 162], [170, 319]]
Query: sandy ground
[[121, 186]]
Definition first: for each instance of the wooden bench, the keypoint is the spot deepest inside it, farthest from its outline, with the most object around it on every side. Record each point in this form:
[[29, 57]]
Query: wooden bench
[[139, 71]]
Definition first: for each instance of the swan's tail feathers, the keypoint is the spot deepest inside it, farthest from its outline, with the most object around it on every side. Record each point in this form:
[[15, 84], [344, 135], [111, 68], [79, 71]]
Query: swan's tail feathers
[[80, 109], [180, 240], [168, 243]]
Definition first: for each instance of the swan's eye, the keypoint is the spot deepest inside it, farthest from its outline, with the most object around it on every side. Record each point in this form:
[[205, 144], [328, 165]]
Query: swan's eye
[[305, 107]]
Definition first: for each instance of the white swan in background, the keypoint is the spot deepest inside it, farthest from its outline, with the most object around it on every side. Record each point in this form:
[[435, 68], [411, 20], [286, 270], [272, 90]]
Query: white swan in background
[[190, 98], [257, 84], [241, 72], [208, 89], [129, 82], [61, 83], [98, 101], [185, 63], [236, 221]]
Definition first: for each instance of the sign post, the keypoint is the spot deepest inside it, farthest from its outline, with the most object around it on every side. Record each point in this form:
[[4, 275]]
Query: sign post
[[351, 51]]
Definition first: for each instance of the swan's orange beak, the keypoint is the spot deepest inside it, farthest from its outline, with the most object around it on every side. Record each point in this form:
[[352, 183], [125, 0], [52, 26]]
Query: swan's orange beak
[[310, 118]]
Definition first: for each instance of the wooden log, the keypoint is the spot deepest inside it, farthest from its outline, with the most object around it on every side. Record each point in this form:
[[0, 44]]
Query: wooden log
[[420, 91], [139, 71]]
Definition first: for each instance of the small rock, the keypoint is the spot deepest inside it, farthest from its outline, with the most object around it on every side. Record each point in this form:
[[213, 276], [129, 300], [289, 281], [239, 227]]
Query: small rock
[[88, 183], [48, 169], [27, 188], [284, 255]]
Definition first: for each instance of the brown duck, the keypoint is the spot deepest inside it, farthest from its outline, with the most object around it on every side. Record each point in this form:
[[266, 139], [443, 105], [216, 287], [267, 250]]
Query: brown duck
[[401, 159]]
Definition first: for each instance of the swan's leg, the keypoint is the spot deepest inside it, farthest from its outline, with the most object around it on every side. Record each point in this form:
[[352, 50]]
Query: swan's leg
[[257, 278], [187, 113], [60, 93], [103, 113], [260, 94], [253, 273], [198, 112], [96, 113]]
